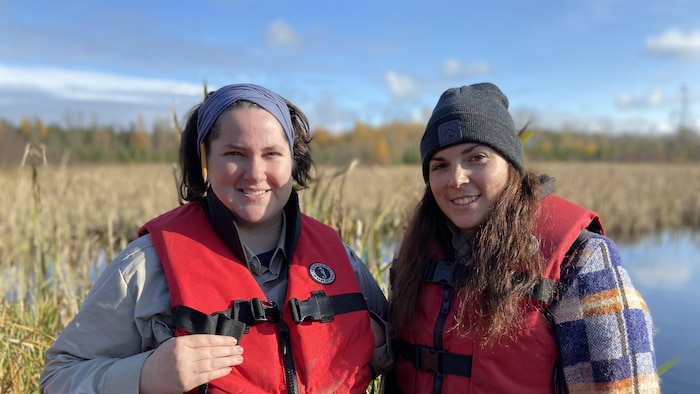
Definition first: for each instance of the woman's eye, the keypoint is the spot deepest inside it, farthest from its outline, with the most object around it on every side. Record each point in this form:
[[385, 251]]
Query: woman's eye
[[438, 166], [276, 154]]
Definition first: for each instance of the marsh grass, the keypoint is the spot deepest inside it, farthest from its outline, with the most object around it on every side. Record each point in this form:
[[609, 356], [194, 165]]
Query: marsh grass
[[25, 333], [59, 225], [633, 200]]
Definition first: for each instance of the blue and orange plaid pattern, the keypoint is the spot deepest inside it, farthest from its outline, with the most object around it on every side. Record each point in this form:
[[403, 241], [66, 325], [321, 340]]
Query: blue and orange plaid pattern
[[603, 326]]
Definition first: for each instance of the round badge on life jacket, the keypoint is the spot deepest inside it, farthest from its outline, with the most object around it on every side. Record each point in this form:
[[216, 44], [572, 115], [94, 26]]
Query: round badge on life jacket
[[321, 273]]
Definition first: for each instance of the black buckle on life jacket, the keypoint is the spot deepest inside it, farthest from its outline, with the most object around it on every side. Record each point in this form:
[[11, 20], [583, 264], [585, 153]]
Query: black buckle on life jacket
[[264, 310], [316, 308], [321, 307], [545, 290], [440, 272], [428, 359]]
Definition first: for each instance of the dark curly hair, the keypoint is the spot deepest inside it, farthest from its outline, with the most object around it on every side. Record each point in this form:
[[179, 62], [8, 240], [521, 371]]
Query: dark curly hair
[[192, 185]]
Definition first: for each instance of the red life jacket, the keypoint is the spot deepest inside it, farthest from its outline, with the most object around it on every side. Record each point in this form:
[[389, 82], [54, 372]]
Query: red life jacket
[[330, 352], [460, 363]]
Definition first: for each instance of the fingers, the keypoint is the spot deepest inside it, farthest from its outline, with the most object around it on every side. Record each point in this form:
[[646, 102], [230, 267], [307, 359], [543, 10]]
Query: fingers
[[209, 347], [204, 340], [212, 375], [205, 366], [224, 351], [189, 361], [211, 357]]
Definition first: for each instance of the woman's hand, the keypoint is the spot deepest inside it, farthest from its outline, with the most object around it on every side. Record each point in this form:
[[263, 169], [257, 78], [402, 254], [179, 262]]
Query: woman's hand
[[182, 363]]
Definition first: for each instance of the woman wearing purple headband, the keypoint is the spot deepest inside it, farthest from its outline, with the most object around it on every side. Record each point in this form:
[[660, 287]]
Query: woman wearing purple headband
[[236, 267]]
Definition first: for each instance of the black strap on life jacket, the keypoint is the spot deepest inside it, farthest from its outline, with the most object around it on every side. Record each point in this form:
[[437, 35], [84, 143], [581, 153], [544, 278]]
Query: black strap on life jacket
[[321, 307], [582, 237], [448, 273], [440, 362], [234, 321], [441, 272]]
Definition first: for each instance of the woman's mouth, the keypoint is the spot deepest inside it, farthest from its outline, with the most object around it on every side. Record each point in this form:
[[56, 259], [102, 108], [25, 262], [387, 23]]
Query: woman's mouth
[[253, 193], [464, 200]]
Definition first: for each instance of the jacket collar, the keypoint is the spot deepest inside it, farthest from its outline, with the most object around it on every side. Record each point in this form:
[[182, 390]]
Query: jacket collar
[[223, 222]]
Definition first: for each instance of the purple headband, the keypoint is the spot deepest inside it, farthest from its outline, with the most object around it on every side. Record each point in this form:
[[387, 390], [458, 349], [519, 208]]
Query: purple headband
[[217, 102]]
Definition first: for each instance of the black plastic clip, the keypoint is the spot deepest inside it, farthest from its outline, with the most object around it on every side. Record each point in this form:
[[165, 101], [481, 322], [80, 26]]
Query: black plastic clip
[[263, 310], [316, 308]]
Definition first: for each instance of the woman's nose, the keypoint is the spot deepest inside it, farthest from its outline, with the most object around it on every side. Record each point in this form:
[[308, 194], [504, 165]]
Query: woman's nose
[[460, 176], [255, 170]]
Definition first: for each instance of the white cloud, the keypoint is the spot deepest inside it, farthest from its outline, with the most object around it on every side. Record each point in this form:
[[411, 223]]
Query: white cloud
[[420, 115], [326, 112], [280, 34], [625, 100], [654, 99], [453, 68], [52, 94], [676, 43], [91, 85], [595, 123], [400, 86]]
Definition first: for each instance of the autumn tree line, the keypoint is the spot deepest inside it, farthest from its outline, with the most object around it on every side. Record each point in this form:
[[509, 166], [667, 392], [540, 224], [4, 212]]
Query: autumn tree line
[[388, 144]]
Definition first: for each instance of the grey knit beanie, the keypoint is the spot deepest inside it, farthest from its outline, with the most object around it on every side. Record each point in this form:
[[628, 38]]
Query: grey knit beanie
[[475, 113]]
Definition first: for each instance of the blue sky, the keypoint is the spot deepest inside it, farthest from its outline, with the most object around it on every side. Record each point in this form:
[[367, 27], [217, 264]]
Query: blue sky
[[615, 65]]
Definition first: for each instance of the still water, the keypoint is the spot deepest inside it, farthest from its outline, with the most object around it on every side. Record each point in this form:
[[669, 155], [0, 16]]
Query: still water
[[666, 270]]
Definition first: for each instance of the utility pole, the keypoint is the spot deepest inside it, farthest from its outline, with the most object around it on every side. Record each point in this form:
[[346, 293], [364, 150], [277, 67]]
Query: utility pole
[[683, 118]]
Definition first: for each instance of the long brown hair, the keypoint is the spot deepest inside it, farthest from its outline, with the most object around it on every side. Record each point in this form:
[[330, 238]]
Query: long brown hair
[[504, 261]]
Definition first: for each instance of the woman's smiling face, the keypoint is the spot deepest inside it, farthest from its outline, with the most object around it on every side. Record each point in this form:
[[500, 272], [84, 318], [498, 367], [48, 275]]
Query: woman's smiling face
[[250, 165], [466, 180]]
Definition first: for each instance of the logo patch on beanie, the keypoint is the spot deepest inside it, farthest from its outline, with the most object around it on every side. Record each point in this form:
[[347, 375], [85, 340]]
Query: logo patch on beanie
[[449, 132]]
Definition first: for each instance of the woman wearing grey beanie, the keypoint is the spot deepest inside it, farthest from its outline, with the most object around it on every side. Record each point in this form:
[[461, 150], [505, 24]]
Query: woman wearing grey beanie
[[501, 286]]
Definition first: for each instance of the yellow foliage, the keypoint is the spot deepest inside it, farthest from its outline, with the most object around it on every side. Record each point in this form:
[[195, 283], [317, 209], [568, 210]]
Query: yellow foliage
[[590, 149], [103, 138], [43, 129], [323, 137], [546, 146], [381, 152], [140, 140], [25, 126]]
